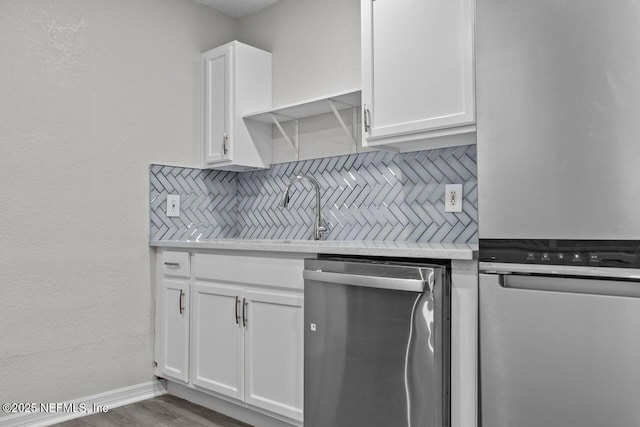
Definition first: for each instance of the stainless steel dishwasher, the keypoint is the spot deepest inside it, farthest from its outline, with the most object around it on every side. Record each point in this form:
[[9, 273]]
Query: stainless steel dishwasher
[[376, 344]]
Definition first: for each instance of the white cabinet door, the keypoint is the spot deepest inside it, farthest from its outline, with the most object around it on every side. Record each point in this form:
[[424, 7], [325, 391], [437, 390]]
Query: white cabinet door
[[417, 67], [217, 347], [236, 81], [274, 352], [174, 334], [217, 125]]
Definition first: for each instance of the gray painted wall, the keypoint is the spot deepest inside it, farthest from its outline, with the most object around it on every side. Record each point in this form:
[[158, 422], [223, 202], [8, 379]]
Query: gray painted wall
[[92, 92], [315, 46]]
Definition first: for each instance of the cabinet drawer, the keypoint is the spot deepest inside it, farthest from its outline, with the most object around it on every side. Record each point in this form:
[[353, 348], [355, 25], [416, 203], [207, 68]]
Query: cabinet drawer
[[267, 270], [176, 264]]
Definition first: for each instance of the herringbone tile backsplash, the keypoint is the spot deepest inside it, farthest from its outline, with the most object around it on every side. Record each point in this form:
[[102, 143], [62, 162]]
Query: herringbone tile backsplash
[[370, 196], [208, 202]]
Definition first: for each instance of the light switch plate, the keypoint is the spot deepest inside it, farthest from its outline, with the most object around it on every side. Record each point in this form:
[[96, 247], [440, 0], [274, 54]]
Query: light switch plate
[[173, 205], [453, 198]]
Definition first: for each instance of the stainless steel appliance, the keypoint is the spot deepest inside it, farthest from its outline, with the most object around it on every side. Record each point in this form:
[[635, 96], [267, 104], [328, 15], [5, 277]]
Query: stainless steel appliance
[[558, 108], [376, 345], [559, 340], [558, 102]]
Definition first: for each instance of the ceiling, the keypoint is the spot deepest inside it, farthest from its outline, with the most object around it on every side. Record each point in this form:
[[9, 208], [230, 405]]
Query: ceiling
[[237, 8]]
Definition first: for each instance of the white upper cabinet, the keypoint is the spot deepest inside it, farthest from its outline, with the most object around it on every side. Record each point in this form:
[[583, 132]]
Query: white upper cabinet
[[236, 80], [417, 72]]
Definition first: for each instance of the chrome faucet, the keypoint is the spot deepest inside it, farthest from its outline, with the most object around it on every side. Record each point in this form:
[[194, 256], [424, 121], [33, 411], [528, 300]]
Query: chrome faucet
[[284, 202]]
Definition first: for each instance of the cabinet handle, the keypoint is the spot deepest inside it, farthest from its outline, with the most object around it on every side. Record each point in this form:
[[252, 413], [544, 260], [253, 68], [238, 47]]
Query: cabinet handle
[[172, 264], [180, 305], [224, 143], [244, 312], [367, 118], [237, 310]]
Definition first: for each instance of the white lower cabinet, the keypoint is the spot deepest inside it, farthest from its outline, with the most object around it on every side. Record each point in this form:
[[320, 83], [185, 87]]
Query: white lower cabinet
[[247, 344], [238, 339], [273, 352], [174, 347], [217, 349]]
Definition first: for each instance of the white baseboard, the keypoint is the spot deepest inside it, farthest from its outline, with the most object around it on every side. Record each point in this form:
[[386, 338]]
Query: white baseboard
[[57, 413]]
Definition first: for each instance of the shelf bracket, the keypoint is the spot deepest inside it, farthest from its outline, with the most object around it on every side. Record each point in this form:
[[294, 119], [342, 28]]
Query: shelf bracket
[[344, 126], [293, 144]]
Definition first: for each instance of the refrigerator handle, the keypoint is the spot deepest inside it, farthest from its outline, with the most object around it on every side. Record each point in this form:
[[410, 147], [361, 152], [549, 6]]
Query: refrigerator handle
[[582, 285]]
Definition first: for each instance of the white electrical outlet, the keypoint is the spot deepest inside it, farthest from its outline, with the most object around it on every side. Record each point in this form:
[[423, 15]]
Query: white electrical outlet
[[453, 198], [173, 205]]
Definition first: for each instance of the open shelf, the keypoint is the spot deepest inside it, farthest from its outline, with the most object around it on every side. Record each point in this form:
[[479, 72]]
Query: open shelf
[[310, 108], [314, 107]]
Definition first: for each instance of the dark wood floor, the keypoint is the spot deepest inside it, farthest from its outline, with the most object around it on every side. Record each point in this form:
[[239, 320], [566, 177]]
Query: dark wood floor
[[162, 411]]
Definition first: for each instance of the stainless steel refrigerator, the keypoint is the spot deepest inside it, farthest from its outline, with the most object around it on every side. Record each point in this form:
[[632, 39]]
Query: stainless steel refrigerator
[[558, 112]]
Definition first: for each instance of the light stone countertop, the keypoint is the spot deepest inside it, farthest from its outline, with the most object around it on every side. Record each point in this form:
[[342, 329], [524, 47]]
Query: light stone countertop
[[457, 251]]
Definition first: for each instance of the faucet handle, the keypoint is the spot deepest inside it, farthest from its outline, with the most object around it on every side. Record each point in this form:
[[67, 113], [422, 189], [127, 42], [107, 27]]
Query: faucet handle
[[320, 231]]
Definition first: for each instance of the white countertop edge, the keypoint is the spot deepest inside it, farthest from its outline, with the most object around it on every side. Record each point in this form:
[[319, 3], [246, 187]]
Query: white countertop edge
[[460, 251]]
